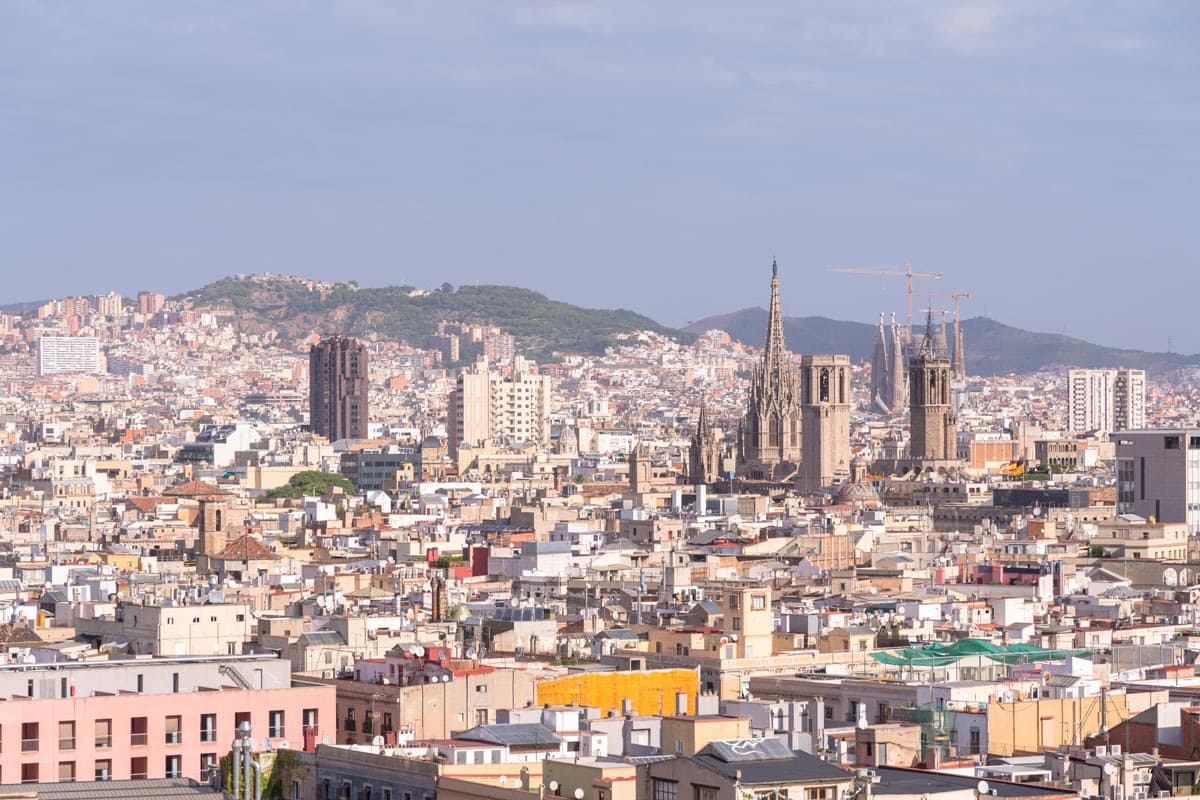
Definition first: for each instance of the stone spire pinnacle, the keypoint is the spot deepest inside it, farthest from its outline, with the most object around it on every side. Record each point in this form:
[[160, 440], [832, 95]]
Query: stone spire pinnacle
[[774, 351]]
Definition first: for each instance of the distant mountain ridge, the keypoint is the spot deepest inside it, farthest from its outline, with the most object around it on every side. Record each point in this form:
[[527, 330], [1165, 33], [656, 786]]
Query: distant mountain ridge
[[992, 348], [294, 308]]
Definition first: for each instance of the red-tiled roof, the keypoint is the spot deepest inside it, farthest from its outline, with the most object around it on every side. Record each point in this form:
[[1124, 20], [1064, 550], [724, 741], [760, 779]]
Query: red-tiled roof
[[196, 489], [246, 548]]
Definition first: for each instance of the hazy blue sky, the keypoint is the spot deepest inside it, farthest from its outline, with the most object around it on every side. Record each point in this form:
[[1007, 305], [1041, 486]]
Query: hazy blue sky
[[654, 155]]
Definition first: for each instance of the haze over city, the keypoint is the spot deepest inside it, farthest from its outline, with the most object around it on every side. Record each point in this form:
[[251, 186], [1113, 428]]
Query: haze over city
[[1041, 155]]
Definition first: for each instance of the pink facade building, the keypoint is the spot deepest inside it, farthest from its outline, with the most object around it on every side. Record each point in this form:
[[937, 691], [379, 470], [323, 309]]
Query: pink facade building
[[129, 735]]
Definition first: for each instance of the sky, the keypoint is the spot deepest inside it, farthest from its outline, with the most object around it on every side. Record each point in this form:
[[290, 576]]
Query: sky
[[1042, 155]]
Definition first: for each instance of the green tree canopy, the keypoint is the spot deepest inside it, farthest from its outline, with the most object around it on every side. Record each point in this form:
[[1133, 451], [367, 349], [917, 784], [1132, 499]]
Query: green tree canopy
[[308, 483]]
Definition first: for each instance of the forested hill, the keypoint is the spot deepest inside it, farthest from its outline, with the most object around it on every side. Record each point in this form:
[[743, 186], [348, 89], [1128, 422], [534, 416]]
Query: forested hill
[[296, 308]]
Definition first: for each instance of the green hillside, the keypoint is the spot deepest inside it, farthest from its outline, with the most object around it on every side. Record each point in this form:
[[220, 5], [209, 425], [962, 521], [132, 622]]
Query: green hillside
[[542, 326]]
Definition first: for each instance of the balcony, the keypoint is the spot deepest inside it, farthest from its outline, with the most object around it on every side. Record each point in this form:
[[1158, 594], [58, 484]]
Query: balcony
[[173, 737], [66, 743], [208, 734], [29, 745], [138, 739], [275, 732]]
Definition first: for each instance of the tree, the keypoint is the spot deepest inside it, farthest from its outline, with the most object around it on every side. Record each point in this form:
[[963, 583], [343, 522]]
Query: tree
[[309, 483]]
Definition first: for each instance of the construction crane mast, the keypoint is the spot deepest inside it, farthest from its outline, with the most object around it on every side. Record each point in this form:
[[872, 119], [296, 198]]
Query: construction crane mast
[[906, 272]]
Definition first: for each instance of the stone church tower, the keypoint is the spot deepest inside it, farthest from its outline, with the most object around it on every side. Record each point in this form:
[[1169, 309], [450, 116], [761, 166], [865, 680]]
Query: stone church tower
[[639, 469], [825, 406], [931, 416], [704, 456], [770, 444]]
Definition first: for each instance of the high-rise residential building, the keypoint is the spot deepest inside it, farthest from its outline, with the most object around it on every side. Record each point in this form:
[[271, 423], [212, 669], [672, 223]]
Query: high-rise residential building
[[1129, 400], [109, 305], [770, 434], [487, 405], [337, 381], [1106, 400], [932, 423], [59, 354], [1158, 475], [825, 409], [150, 303]]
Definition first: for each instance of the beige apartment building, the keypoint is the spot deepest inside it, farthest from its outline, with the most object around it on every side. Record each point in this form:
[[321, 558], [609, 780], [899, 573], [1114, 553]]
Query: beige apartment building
[[1129, 536], [489, 405]]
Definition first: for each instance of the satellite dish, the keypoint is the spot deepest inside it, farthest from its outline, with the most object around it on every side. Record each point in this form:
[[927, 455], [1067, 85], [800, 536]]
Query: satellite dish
[[378, 741], [554, 786], [503, 779], [982, 787], [1110, 768], [418, 651], [579, 794]]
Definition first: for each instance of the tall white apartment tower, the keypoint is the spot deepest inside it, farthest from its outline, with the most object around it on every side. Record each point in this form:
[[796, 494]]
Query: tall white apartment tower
[[1129, 400], [1106, 399]]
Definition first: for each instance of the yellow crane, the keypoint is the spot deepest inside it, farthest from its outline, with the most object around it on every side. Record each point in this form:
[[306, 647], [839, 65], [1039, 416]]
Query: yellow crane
[[906, 272]]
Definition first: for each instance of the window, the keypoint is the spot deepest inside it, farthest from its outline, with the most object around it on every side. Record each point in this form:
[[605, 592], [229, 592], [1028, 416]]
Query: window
[[208, 766], [174, 726], [481, 716], [174, 766], [1171, 442], [29, 737], [733, 601], [350, 724], [208, 727], [29, 773], [737, 623], [66, 772], [66, 735], [275, 725], [665, 790], [368, 725], [175, 682], [103, 770], [309, 718], [138, 726], [139, 768], [758, 602], [103, 733]]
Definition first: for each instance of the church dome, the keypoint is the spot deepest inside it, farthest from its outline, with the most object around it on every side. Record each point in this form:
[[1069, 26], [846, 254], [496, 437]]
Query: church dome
[[859, 493]]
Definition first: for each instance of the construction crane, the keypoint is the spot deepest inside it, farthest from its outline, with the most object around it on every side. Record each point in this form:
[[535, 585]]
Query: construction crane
[[906, 272]]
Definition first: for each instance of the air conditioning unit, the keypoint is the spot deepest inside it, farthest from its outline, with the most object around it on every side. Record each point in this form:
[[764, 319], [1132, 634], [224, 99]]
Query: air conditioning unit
[[1114, 749], [327, 673], [1101, 750], [1165, 793], [1141, 777]]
